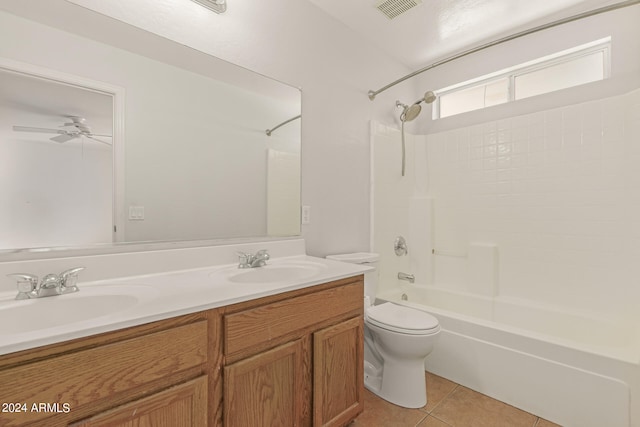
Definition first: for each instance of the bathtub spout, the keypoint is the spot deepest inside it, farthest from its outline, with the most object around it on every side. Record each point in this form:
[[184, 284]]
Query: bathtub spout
[[408, 277]]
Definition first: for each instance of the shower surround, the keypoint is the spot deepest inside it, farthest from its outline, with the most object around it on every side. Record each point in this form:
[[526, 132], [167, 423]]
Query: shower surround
[[528, 226]]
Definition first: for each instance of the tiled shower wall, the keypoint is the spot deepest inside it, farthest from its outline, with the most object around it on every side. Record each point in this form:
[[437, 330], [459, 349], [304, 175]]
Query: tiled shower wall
[[557, 191]]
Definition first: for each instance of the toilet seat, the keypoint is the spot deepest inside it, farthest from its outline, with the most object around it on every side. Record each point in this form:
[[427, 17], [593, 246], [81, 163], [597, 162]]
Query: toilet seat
[[401, 319]]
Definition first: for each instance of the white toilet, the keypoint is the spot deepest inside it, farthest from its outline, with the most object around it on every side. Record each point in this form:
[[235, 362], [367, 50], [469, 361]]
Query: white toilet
[[397, 341]]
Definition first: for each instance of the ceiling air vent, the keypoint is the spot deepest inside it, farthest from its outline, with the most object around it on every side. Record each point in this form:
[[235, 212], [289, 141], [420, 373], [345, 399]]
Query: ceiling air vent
[[218, 6], [395, 8]]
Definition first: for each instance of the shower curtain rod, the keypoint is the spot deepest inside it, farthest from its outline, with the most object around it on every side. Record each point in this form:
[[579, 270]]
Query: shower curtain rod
[[373, 93], [268, 131]]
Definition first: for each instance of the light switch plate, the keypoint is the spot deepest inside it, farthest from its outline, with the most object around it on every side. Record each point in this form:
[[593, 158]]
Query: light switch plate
[[306, 215], [136, 213]]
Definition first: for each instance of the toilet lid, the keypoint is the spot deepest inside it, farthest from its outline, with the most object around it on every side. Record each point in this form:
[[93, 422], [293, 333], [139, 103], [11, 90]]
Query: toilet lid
[[400, 318]]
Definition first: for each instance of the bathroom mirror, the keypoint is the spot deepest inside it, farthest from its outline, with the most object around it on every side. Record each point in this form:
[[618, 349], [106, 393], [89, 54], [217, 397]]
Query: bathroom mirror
[[177, 148]]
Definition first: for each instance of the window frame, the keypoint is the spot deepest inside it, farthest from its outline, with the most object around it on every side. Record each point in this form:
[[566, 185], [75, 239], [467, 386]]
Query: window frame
[[602, 45]]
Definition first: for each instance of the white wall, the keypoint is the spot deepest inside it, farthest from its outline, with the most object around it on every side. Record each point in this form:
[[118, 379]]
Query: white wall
[[53, 194]]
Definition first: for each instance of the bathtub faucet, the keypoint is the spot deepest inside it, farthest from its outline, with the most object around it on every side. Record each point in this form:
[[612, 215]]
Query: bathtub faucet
[[408, 277]]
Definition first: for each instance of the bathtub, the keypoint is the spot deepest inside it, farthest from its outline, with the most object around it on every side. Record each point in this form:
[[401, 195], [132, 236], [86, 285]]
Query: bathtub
[[570, 368]]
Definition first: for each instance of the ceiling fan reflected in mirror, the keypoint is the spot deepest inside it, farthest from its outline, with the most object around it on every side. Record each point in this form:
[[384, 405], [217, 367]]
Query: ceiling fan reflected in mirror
[[76, 128]]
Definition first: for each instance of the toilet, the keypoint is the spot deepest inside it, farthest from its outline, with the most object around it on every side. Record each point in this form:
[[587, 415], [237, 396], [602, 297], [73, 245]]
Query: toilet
[[397, 341]]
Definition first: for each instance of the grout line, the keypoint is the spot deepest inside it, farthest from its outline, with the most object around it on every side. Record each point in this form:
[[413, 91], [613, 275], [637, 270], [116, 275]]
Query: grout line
[[422, 419], [442, 421], [445, 398]]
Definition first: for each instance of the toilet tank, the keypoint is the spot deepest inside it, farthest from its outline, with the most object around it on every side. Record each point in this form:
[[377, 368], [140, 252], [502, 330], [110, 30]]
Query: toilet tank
[[365, 258]]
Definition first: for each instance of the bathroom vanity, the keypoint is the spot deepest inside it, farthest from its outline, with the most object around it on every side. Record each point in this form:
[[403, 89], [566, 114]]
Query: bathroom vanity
[[289, 358]]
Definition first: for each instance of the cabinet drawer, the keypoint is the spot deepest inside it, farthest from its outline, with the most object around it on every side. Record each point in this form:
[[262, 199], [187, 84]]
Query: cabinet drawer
[[257, 327], [184, 405], [89, 375]]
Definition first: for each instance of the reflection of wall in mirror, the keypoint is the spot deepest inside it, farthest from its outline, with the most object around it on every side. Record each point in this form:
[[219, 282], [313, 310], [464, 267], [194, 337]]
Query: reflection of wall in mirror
[[53, 194], [53, 191], [195, 147], [283, 189]]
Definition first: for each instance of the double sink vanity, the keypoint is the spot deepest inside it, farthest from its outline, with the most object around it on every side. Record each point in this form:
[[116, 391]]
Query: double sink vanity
[[168, 333], [277, 344]]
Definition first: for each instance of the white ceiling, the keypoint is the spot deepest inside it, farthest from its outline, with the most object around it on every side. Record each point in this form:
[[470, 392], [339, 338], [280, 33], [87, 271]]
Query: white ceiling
[[438, 28]]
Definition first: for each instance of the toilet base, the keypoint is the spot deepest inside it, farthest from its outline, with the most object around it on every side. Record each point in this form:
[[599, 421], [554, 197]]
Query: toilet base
[[372, 377], [401, 384]]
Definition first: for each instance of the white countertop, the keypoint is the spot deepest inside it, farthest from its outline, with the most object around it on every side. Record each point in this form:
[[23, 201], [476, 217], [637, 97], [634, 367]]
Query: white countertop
[[129, 301]]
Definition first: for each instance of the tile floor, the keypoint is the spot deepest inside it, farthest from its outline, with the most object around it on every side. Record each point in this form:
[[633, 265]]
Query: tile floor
[[449, 405]]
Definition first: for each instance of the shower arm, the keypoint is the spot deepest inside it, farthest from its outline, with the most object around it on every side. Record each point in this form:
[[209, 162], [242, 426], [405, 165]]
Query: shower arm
[[269, 131], [373, 93]]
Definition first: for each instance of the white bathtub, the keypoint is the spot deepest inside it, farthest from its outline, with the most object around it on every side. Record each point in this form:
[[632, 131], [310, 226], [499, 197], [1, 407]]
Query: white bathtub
[[570, 368]]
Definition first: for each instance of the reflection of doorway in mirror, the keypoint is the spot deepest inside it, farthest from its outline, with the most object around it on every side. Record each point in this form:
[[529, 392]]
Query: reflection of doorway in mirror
[[283, 193], [56, 159]]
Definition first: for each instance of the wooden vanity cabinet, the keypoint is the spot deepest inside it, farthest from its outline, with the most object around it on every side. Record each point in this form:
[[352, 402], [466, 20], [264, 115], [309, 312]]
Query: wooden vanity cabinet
[[293, 359], [164, 374], [338, 373]]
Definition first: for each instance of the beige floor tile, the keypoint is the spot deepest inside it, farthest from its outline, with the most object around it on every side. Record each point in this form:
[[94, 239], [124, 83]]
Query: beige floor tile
[[545, 423], [380, 413], [438, 389], [432, 422], [467, 408]]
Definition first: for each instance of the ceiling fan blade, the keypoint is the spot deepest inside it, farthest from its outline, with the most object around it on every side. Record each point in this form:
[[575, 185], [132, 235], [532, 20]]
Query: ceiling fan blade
[[96, 139], [103, 135], [64, 138], [41, 130]]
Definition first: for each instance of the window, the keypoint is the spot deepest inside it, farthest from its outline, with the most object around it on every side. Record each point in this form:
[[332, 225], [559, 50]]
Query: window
[[573, 67]]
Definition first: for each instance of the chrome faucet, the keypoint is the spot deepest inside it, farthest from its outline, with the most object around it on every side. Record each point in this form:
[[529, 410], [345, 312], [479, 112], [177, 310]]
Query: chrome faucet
[[408, 277], [259, 259], [51, 284]]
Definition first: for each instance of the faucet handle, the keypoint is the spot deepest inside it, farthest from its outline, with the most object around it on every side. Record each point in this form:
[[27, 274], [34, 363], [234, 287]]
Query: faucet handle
[[243, 259], [27, 284], [263, 253], [70, 272], [68, 279]]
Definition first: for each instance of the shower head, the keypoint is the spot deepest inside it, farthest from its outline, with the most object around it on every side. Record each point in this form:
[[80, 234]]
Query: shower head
[[410, 112]]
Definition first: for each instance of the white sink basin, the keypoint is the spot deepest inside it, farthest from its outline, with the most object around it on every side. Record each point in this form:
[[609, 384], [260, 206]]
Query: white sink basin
[[271, 273], [43, 313]]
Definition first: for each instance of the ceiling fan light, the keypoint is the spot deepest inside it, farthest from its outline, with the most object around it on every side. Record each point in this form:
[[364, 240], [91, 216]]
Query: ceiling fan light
[[63, 138]]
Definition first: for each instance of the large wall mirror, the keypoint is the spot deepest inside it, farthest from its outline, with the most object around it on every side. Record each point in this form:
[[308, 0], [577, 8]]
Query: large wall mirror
[[127, 137]]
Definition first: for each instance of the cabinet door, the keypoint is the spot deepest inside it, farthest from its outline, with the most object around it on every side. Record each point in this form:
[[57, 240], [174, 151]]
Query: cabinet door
[[338, 373], [184, 405], [266, 389]]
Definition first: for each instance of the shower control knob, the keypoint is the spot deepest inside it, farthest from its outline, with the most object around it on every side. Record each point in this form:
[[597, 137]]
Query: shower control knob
[[400, 246]]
